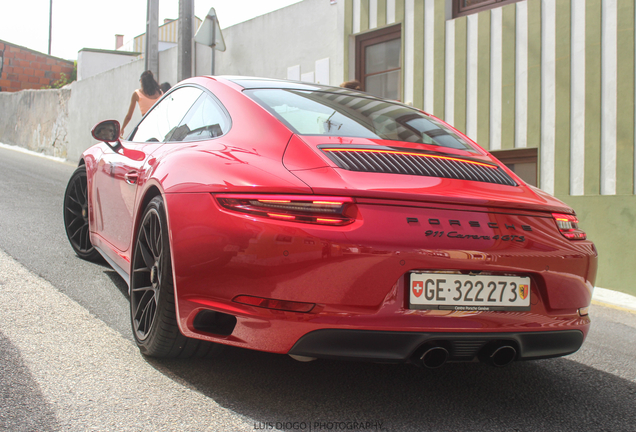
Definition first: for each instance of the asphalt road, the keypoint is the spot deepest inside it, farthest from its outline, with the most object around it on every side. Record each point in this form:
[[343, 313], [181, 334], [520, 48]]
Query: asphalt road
[[67, 360]]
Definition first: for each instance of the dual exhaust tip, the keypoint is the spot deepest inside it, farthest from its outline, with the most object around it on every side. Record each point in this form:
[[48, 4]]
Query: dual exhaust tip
[[498, 355]]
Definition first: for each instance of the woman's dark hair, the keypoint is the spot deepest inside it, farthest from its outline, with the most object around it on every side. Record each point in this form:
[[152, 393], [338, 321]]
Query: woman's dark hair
[[148, 84], [165, 86]]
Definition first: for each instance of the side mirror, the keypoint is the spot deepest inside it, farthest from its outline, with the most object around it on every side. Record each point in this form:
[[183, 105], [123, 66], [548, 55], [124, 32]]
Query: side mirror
[[107, 131]]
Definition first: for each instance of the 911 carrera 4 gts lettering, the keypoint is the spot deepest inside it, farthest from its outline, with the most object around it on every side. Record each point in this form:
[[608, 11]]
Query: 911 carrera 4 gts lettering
[[455, 234], [434, 233]]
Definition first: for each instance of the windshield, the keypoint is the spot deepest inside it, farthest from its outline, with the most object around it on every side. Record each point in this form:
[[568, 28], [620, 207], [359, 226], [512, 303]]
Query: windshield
[[349, 115]]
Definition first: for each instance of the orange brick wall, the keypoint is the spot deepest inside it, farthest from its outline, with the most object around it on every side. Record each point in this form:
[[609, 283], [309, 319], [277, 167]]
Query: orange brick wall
[[27, 69]]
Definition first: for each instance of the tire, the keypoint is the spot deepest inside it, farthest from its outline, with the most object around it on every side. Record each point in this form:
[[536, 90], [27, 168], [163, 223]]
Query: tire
[[152, 304], [76, 216]]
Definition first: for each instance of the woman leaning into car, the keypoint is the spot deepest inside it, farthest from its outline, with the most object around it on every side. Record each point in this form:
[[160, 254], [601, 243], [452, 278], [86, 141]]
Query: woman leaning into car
[[146, 96]]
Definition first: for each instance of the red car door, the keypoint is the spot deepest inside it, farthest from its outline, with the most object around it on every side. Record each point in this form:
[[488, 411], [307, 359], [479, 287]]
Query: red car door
[[115, 186]]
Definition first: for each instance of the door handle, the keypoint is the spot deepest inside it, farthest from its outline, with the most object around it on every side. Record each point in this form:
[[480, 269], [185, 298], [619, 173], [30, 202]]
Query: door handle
[[131, 177]]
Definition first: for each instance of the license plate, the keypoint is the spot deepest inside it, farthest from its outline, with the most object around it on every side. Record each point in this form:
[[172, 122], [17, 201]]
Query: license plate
[[468, 292]]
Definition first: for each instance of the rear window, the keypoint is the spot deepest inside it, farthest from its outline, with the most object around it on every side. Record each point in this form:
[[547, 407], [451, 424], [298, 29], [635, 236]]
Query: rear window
[[349, 115]]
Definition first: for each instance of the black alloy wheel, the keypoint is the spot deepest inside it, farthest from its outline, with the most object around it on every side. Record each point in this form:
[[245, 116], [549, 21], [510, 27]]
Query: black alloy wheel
[[152, 303], [76, 216]]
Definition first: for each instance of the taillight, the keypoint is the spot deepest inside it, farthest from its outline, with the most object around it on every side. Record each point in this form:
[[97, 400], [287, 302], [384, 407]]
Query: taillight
[[336, 211], [569, 226]]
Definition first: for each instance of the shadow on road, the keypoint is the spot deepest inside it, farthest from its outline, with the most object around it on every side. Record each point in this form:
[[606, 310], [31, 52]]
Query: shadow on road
[[117, 280], [558, 394], [22, 405]]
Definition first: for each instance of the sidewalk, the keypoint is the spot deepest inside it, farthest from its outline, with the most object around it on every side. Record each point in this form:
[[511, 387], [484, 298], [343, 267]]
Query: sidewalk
[[615, 299]]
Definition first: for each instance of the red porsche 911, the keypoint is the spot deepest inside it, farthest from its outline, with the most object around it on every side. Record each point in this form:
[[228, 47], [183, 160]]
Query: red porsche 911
[[322, 222]]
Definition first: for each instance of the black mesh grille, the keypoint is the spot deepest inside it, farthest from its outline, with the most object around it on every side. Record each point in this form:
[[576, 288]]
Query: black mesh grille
[[395, 162], [466, 348]]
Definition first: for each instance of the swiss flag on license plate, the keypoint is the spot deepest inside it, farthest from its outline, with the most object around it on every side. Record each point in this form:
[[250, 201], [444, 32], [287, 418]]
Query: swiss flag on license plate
[[418, 288]]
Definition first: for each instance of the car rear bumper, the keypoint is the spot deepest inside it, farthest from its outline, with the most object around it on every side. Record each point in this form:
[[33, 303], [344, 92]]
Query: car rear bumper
[[401, 347], [393, 333]]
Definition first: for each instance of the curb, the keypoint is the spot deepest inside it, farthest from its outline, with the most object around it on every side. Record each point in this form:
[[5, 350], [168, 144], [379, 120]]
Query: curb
[[615, 299], [34, 153]]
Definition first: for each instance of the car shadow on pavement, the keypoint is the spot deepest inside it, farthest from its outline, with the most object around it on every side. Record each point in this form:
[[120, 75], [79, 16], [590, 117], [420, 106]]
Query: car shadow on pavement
[[22, 406], [117, 280], [557, 394]]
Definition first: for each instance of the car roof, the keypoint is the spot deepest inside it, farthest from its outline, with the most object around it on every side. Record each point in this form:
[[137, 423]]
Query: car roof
[[249, 83]]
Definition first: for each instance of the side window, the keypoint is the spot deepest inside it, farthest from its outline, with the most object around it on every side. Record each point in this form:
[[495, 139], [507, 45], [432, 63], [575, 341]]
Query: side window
[[205, 120], [162, 121]]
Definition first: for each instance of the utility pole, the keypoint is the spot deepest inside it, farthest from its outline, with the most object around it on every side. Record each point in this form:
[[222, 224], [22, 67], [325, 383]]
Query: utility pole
[[152, 38], [50, 23], [184, 55]]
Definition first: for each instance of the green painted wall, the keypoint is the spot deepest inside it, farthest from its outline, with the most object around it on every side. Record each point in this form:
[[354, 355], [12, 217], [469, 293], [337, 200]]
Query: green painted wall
[[440, 58], [593, 97], [461, 60], [483, 80], [625, 102], [509, 37], [364, 15], [609, 222], [562, 99], [418, 57], [534, 73], [381, 13]]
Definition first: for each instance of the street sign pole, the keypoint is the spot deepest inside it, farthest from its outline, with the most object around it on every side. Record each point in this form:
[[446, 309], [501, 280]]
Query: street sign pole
[[214, 22], [209, 34]]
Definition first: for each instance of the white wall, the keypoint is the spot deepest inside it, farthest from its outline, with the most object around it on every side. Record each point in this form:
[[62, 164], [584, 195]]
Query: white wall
[[36, 120], [202, 60], [93, 62], [300, 34], [168, 66]]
